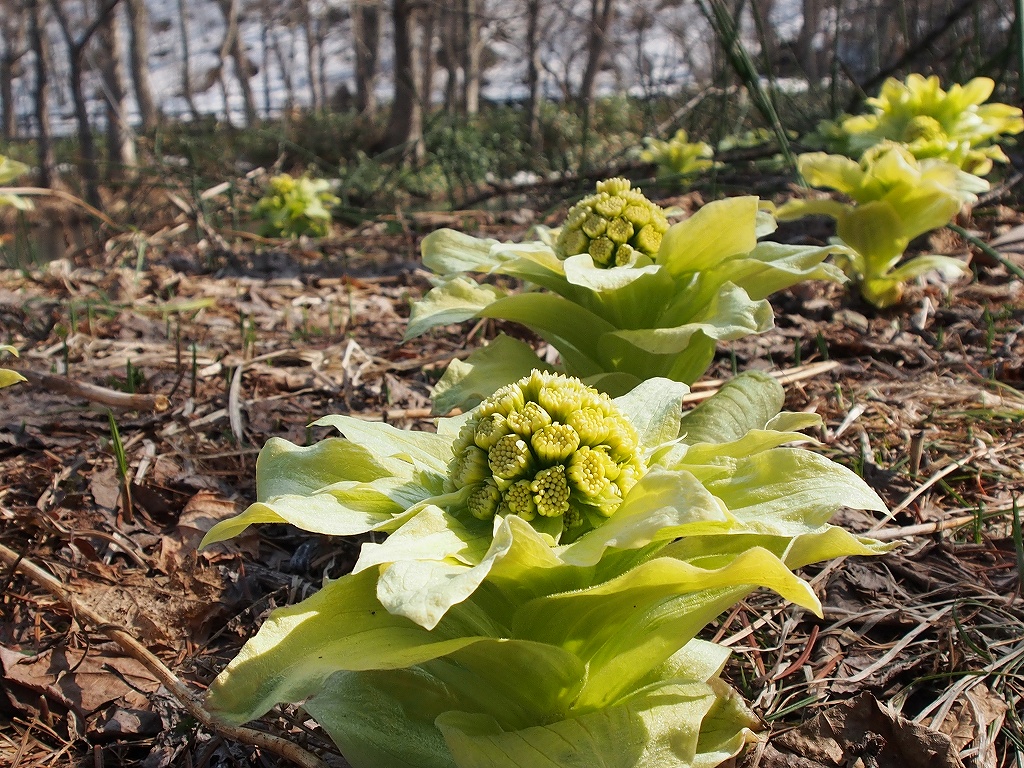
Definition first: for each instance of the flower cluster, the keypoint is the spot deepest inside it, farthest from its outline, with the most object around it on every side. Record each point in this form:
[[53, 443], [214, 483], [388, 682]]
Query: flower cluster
[[9, 171], [546, 446], [678, 156], [296, 206], [616, 226], [954, 125]]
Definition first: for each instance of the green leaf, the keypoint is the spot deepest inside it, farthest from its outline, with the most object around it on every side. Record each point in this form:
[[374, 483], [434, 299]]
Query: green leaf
[[424, 449], [748, 401], [771, 267], [729, 315], [384, 718], [654, 407], [947, 266], [797, 209], [572, 329], [656, 728], [300, 646], [9, 377], [284, 468], [466, 383], [720, 229], [786, 491], [580, 270], [451, 302], [661, 507], [629, 625], [449, 252]]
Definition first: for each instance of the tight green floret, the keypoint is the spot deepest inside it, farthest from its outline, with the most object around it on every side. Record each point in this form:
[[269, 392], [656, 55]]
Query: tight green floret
[[551, 491], [616, 226], [510, 458], [554, 443], [547, 447]]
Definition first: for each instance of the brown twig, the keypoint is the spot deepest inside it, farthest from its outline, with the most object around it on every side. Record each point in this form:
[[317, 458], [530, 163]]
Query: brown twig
[[97, 394], [62, 195], [281, 747]]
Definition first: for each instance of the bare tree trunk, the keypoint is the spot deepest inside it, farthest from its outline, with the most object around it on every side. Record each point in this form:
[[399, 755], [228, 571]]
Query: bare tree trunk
[[366, 40], [471, 56], [405, 125], [186, 74], [601, 14], [40, 49], [121, 158], [138, 49], [13, 28], [243, 68], [311, 55], [76, 70], [428, 24], [533, 69], [806, 55]]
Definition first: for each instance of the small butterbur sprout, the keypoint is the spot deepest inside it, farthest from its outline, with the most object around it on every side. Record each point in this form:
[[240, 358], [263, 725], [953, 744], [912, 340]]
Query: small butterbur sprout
[[894, 198], [564, 450], [9, 171], [678, 157], [616, 225], [293, 207]]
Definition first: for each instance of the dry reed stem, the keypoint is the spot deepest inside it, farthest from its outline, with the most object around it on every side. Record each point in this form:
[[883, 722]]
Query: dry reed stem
[[132, 647]]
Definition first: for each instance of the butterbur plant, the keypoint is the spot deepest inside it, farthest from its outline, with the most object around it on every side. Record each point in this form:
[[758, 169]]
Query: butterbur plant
[[618, 292], [7, 376], [678, 157], [954, 125], [552, 556], [9, 171], [893, 198], [293, 207]]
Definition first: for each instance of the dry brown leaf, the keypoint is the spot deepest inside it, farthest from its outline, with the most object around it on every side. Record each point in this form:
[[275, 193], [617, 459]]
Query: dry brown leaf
[[77, 679], [867, 731]]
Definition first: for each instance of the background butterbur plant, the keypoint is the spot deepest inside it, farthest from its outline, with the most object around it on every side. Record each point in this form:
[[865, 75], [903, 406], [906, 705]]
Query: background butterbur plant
[[296, 206], [620, 294], [678, 157], [486, 631], [954, 125], [9, 171], [7, 376], [895, 198]]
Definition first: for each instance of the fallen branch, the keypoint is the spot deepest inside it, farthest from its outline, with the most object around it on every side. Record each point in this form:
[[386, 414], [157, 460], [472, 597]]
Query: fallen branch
[[281, 747], [97, 394]]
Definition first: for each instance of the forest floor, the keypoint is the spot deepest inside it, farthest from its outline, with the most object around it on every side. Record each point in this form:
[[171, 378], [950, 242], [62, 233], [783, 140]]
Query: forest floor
[[198, 354]]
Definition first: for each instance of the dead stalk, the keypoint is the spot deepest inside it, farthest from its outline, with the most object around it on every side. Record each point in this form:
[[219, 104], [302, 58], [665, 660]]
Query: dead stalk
[[132, 647]]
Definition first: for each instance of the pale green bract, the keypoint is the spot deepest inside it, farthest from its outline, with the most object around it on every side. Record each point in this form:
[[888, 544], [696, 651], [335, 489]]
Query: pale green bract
[[895, 198], [954, 125], [507, 641], [7, 376], [9, 171], [614, 326], [296, 206]]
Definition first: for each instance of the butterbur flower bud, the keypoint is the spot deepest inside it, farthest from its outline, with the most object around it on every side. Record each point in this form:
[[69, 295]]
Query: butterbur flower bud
[[551, 491], [530, 419], [616, 225], [554, 443], [471, 467], [489, 430], [484, 500], [547, 447], [510, 458]]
